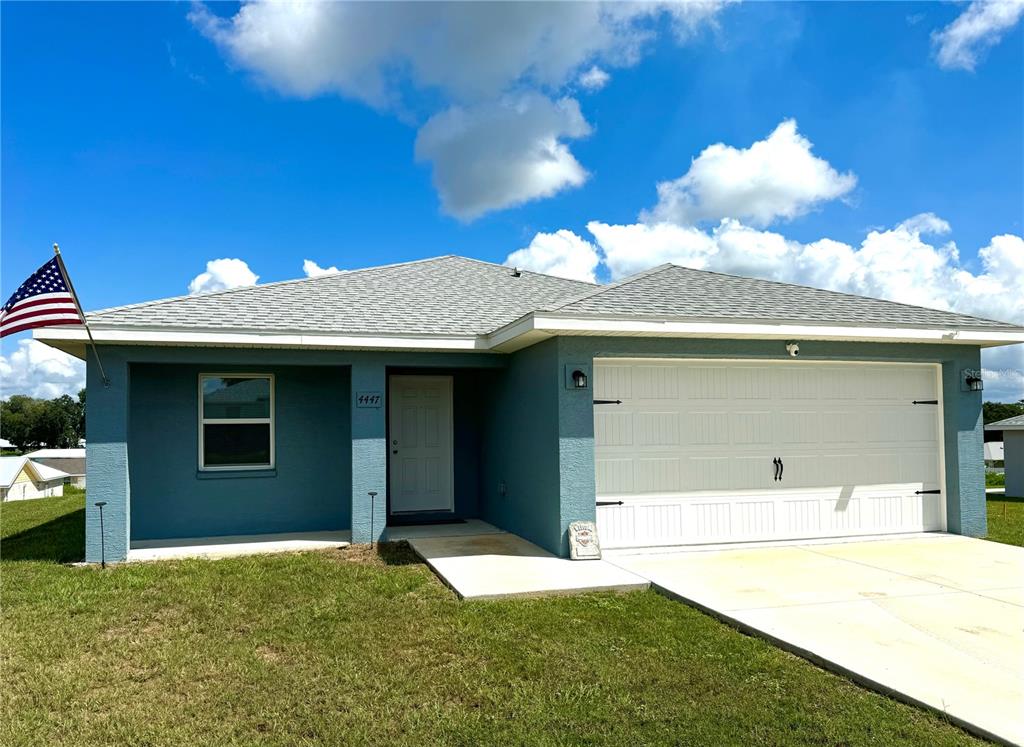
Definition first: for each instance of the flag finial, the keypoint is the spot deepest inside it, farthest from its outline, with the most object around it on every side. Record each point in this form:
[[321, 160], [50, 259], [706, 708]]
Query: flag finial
[[56, 248]]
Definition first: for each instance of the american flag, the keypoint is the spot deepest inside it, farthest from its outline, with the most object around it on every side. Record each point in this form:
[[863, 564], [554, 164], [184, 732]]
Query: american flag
[[44, 300]]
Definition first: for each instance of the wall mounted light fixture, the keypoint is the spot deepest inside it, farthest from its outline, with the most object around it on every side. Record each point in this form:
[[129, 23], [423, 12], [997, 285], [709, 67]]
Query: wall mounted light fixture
[[972, 380], [578, 375]]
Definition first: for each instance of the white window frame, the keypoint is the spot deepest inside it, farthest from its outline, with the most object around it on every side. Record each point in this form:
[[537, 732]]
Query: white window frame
[[203, 421]]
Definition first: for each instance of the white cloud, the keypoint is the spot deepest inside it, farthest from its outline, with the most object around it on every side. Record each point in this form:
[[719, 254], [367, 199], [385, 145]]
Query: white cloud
[[1003, 384], [468, 57], [496, 155], [926, 223], [40, 371], [594, 79], [898, 263], [468, 51], [777, 177], [222, 274], [313, 270], [974, 31], [562, 253]]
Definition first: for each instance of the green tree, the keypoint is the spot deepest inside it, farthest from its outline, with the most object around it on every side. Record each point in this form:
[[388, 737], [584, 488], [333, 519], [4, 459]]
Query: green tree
[[995, 411], [29, 423]]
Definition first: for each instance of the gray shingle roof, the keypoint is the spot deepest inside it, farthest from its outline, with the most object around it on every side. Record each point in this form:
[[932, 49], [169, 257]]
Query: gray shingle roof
[[448, 295], [456, 296], [680, 292], [1010, 424]]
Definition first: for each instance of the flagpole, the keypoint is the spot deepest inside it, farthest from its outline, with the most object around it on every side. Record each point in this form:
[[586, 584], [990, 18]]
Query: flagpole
[[78, 306]]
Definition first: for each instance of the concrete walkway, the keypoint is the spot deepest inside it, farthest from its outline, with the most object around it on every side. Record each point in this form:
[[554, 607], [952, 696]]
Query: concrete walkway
[[497, 564], [231, 546], [936, 620]]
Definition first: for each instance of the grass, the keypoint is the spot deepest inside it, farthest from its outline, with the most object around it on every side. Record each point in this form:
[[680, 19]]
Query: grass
[[1006, 520], [995, 479], [360, 647]]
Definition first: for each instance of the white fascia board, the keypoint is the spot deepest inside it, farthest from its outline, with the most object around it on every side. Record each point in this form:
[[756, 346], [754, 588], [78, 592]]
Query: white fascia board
[[555, 325], [61, 336], [517, 335]]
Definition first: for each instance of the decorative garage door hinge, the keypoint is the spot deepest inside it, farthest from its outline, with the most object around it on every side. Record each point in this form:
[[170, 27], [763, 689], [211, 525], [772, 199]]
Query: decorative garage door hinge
[[926, 492], [607, 401], [609, 503], [925, 402]]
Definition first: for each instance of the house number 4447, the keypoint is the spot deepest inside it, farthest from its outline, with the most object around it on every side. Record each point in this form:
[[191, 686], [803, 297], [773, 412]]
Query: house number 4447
[[369, 399]]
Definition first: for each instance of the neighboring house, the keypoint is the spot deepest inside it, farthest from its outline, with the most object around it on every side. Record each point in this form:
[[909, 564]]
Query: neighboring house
[[993, 452], [21, 478], [71, 461], [674, 407], [1013, 453]]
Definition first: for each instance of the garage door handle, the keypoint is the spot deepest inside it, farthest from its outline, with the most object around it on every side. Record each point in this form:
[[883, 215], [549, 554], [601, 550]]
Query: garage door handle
[[782, 468], [775, 461]]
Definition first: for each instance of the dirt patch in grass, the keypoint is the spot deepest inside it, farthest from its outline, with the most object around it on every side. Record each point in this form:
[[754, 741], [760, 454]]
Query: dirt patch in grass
[[382, 554]]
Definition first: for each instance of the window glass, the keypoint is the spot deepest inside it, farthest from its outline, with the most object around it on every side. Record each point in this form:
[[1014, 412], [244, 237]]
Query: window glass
[[235, 398], [236, 444], [236, 422]]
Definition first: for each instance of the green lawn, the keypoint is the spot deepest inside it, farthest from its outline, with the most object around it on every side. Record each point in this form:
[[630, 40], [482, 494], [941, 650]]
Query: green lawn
[[1006, 520], [353, 647]]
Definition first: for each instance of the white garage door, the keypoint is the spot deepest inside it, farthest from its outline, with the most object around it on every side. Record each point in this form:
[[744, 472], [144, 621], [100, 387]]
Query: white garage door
[[729, 451]]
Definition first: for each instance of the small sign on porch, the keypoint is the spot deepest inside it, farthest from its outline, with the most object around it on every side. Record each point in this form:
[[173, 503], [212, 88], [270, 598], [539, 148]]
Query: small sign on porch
[[583, 544], [369, 399]]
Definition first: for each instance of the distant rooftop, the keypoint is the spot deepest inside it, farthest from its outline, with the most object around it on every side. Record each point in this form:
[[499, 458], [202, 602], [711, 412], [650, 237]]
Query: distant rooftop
[[1016, 423]]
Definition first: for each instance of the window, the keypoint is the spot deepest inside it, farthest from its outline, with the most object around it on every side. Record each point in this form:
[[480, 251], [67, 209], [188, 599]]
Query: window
[[236, 421]]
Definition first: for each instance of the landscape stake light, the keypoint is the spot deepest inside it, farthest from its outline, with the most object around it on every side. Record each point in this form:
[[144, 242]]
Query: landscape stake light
[[103, 544], [373, 501]]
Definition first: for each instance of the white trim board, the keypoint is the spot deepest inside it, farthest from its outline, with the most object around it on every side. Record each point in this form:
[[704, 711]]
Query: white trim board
[[528, 330]]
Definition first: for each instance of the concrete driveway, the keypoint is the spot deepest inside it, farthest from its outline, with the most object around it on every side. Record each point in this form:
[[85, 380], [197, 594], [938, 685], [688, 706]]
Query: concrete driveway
[[937, 620]]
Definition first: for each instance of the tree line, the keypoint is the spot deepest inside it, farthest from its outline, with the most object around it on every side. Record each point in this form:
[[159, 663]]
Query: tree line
[[30, 423], [993, 412]]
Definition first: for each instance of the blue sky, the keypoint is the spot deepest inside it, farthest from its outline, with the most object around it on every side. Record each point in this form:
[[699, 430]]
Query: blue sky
[[151, 138]]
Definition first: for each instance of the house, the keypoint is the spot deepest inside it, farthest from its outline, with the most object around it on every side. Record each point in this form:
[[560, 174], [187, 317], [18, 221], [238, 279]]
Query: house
[[1013, 452], [21, 479], [993, 452], [71, 461], [674, 407]]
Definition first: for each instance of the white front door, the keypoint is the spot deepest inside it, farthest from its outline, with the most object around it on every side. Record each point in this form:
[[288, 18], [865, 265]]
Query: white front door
[[420, 444], [727, 451]]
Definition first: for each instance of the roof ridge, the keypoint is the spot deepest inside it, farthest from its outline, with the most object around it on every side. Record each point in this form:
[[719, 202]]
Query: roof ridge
[[617, 284], [835, 292], [522, 269], [188, 296]]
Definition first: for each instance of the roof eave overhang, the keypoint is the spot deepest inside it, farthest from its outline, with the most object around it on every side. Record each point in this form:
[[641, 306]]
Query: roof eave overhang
[[538, 326], [74, 339], [525, 331]]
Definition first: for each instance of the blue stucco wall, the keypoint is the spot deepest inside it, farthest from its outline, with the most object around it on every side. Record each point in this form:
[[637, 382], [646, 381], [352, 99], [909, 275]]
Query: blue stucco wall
[[514, 415], [361, 450], [106, 452], [962, 435], [309, 489], [369, 455], [1013, 451], [521, 447]]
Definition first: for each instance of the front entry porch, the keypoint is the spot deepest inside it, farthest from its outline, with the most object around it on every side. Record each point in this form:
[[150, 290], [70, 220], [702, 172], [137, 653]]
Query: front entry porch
[[235, 545]]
